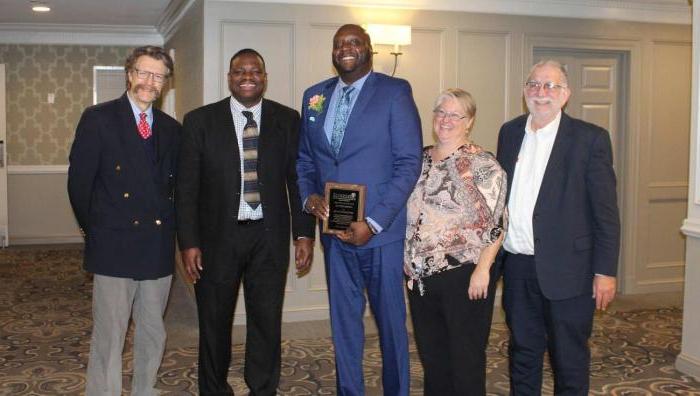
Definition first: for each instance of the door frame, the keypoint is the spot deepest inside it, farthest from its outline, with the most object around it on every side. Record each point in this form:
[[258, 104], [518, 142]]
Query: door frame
[[628, 148], [4, 220]]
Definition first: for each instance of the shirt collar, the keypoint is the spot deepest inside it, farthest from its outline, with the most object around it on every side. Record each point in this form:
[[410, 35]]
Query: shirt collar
[[137, 111], [358, 84], [237, 107], [550, 128]]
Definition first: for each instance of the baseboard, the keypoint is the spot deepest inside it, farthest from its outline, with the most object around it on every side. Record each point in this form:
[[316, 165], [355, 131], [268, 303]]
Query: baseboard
[[322, 313], [37, 169], [289, 316], [656, 286], [45, 240], [688, 365]]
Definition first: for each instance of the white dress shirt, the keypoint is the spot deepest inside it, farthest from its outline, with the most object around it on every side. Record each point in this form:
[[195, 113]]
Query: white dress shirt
[[527, 179], [245, 212]]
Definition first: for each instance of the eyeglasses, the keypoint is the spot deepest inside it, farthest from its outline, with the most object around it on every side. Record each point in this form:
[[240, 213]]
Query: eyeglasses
[[549, 86], [441, 114], [144, 75]]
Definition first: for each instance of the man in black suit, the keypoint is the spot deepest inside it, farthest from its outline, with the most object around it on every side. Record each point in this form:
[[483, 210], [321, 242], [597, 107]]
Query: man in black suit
[[561, 250], [121, 183], [235, 193]]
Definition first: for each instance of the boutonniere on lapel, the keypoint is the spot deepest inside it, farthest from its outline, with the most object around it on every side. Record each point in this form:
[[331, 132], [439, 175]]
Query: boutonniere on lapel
[[316, 104]]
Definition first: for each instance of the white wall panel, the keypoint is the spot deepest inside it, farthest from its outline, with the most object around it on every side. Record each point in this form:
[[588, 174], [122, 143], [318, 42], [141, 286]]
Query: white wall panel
[[275, 42], [482, 69], [39, 210]]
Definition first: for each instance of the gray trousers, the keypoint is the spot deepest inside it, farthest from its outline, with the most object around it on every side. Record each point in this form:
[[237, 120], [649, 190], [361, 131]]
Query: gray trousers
[[113, 302]]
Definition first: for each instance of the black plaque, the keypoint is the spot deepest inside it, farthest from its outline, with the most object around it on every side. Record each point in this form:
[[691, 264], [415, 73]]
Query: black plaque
[[346, 203]]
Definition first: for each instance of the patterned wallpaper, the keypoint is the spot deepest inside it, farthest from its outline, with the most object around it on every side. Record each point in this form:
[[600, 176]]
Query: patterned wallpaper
[[39, 133]]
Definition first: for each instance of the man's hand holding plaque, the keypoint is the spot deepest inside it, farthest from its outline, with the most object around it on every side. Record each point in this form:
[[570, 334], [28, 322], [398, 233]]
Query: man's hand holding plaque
[[358, 233], [346, 204], [342, 212], [317, 206]]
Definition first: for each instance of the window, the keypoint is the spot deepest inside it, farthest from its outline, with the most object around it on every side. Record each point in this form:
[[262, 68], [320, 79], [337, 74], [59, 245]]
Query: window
[[108, 83]]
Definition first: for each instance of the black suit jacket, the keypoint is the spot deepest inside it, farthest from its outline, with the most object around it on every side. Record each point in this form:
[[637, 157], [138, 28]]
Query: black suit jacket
[[576, 222], [209, 183], [122, 201]]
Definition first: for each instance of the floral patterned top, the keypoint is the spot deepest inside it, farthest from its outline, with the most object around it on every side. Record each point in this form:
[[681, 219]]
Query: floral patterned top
[[457, 208]]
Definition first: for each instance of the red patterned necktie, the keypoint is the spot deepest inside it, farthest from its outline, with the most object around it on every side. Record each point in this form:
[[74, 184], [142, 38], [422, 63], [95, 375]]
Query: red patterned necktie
[[144, 128]]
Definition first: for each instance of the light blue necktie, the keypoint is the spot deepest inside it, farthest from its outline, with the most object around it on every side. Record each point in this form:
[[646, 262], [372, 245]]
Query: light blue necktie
[[342, 111]]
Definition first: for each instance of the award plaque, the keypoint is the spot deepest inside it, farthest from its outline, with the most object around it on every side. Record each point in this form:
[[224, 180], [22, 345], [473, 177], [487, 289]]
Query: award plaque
[[346, 203]]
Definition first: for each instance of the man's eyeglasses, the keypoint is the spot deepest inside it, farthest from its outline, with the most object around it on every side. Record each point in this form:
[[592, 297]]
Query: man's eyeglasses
[[549, 86], [144, 75], [441, 114]]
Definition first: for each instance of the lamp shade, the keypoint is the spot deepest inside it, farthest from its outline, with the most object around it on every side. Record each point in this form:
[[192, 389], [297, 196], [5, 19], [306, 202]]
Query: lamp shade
[[389, 34]]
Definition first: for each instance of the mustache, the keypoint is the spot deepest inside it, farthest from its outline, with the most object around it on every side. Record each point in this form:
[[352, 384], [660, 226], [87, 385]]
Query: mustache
[[146, 87]]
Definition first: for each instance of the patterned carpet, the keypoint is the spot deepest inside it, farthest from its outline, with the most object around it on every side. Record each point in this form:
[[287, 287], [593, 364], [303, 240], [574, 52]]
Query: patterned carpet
[[45, 324]]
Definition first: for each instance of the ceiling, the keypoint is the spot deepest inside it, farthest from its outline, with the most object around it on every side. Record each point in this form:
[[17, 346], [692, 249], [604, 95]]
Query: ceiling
[[158, 15], [93, 12]]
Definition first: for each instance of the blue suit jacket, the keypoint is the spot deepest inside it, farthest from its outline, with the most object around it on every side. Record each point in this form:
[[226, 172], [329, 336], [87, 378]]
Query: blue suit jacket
[[576, 224], [122, 201], [381, 149]]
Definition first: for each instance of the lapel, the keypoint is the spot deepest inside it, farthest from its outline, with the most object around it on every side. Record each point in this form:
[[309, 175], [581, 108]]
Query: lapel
[[165, 136], [268, 129], [133, 144], [226, 136], [317, 131], [552, 173], [358, 110], [327, 93], [511, 152], [360, 104]]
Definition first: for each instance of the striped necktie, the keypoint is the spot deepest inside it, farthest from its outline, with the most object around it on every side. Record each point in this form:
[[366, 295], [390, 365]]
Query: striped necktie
[[251, 193]]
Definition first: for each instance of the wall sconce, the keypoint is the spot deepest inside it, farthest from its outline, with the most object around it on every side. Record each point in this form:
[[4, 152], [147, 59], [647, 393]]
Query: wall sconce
[[395, 35]]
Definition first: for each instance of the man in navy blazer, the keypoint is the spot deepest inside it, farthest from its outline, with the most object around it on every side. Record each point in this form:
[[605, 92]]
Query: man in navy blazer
[[121, 183], [379, 146], [561, 251]]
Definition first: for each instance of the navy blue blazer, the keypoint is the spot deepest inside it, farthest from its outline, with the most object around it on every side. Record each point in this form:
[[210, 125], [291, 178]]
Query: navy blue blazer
[[123, 201], [381, 149], [576, 223]]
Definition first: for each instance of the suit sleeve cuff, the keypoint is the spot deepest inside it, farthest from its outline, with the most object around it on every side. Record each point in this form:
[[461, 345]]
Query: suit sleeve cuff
[[373, 226]]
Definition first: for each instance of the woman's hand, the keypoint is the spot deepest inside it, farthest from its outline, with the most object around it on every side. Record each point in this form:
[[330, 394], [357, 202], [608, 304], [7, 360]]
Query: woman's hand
[[479, 283]]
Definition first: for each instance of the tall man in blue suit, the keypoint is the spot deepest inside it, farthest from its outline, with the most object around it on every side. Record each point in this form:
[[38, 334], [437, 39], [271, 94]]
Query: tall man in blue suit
[[120, 183], [561, 250], [363, 128]]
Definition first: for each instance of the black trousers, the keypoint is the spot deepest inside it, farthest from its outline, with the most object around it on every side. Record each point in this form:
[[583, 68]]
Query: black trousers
[[452, 332], [536, 323], [263, 283]]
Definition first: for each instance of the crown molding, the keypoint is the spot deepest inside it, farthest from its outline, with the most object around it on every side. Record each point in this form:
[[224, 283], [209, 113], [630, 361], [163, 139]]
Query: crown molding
[[170, 20], [34, 33], [653, 11]]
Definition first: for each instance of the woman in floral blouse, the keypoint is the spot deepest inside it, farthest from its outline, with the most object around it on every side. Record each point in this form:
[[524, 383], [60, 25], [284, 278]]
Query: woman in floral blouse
[[456, 221]]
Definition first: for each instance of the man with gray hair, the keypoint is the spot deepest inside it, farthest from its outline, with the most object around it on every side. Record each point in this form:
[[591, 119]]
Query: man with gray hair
[[560, 254], [121, 184]]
